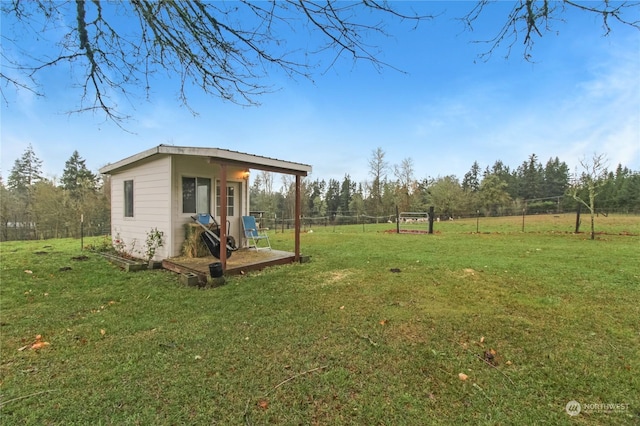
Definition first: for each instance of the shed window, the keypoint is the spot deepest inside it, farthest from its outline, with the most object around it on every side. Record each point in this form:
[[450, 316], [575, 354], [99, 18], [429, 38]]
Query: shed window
[[231, 196], [128, 198], [196, 195]]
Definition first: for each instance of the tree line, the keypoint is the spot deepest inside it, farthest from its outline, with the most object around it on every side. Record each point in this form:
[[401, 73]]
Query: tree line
[[35, 207], [494, 190]]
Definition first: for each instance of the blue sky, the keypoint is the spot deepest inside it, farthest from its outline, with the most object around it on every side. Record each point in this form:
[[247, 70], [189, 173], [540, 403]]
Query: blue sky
[[579, 96]]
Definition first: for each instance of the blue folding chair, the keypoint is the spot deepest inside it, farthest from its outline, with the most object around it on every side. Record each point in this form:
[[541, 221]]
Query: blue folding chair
[[253, 234]]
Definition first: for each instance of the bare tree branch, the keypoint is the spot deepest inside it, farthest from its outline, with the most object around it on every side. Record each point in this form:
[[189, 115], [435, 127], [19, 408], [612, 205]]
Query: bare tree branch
[[527, 17], [586, 188], [226, 50]]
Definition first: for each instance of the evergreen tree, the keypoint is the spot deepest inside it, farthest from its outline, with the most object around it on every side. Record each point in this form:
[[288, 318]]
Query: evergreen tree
[[332, 198], [619, 196], [502, 171], [76, 177], [620, 191], [26, 171], [356, 206], [530, 178], [315, 202], [471, 180], [629, 193], [347, 189], [556, 178]]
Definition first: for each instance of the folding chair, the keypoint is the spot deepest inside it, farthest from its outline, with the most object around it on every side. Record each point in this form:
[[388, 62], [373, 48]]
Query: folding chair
[[253, 234]]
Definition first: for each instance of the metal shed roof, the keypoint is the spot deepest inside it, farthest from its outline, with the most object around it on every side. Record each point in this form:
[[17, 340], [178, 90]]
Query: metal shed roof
[[214, 155]]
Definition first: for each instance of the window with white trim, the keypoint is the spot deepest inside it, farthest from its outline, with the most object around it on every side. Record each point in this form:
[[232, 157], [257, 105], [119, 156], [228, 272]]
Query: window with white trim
[[196, 195]]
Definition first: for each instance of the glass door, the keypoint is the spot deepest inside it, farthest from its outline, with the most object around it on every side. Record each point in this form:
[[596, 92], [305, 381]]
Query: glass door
[[233, 208]]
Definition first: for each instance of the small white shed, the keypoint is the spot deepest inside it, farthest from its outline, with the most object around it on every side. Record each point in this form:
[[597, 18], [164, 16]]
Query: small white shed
[[164, 186]]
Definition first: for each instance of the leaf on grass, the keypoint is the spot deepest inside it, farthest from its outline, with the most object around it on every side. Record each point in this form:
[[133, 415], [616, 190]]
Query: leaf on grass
[[462, 376], [39, 345], [384, 322], [264, 404]]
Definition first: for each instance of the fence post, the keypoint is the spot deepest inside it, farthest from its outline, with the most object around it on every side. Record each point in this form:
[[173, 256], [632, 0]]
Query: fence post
[[431, 220], [81, 232]]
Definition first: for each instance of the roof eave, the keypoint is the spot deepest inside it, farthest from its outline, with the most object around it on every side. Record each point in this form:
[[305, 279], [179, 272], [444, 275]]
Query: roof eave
[[215, 155]]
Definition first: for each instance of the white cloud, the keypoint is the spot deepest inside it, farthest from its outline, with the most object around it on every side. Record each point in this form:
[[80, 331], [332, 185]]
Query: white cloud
[[598, 114]]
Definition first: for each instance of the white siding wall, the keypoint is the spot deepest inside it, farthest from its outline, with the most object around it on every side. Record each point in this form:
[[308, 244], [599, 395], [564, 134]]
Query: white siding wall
[[189, 166], [151, 205]]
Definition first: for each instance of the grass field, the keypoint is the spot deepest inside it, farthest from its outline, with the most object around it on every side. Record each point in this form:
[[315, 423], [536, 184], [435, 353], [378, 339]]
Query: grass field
[[375, 330]]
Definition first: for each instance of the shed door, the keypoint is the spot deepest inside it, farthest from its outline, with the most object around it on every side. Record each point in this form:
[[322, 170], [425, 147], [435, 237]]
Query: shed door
[[233, 207]]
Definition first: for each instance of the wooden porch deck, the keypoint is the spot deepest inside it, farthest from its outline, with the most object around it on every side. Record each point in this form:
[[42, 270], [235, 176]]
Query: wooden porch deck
[[241, 261]]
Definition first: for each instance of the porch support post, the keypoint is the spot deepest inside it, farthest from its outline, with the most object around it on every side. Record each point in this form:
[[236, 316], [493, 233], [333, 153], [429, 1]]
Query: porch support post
[[298, 217], [223, 216]]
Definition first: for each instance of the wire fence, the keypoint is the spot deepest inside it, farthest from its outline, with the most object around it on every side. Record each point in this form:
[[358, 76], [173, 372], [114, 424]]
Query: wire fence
[[23, 231], [563, 221], [18, 231]]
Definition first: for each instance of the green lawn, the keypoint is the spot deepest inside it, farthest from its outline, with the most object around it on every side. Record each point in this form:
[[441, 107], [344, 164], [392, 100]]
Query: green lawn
[[339, 340]]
